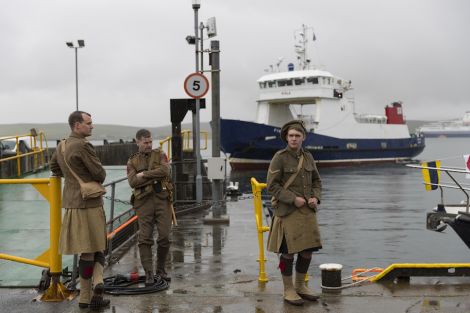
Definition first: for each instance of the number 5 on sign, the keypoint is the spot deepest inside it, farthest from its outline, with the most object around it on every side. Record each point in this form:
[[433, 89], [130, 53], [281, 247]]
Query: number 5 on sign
[[196, 85]]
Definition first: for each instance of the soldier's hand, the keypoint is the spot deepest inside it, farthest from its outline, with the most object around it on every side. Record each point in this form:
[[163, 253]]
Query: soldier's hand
[[299, 202], [140, 175], [312, 202]]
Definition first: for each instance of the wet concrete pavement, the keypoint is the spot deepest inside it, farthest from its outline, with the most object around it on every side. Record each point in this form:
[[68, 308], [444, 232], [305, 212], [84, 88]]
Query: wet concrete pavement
[[214, 269]]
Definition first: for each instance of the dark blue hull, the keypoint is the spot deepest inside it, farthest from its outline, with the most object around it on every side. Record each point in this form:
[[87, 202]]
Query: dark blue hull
[[252, 145]]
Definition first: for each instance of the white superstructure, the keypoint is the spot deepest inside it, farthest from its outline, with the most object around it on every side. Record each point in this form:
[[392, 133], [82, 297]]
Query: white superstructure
[[323, 101]]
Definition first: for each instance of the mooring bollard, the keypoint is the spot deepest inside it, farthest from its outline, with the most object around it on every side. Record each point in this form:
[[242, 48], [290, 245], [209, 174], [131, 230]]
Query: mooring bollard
[[331, 277]]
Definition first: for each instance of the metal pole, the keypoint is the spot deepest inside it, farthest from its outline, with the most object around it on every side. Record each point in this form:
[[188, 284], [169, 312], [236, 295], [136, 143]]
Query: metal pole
[[196, 136], [215, 83], [111, 225], [76, 77]]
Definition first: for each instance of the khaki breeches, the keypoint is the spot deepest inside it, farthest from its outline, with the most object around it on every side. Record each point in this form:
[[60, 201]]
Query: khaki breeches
[[83, 231], [153, 211]]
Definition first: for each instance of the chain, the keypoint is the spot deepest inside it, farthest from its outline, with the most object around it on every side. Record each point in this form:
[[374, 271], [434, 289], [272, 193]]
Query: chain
[[117, 200]]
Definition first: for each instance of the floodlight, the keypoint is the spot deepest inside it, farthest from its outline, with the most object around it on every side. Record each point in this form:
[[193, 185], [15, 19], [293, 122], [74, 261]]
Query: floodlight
[[81, 43], [69, 44]]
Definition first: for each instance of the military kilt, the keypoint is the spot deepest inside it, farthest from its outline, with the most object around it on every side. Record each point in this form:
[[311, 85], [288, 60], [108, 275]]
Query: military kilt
[[83, 231], [299, 229]]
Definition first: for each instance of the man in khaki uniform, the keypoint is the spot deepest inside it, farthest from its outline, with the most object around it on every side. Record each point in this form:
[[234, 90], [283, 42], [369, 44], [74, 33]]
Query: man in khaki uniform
[[295, 185], [83, 229], [149, 174]]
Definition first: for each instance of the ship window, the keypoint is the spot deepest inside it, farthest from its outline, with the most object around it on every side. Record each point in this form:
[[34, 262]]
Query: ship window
[[284, 82], [383, 145], [351, 145], [271, 84], [299, 81], [262, 85], [313, 80]]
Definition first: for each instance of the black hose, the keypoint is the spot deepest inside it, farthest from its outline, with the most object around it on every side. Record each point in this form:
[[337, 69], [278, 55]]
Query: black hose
[[121, 285]]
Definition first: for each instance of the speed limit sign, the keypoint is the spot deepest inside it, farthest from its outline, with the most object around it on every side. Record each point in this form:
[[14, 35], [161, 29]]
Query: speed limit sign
[[196, 85]]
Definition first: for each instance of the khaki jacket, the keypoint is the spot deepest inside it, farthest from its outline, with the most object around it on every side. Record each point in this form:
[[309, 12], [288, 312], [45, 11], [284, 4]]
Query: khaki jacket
[[160, 171], [307, 184], [81, 157]]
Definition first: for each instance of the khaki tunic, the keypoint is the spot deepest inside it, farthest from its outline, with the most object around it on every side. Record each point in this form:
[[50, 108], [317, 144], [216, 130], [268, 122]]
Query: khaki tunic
[[84, 225], [152, 208], [298, 226]]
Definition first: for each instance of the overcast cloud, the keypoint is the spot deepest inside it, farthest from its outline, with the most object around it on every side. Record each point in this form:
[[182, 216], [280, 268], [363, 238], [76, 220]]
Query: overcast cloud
[[136, 58]]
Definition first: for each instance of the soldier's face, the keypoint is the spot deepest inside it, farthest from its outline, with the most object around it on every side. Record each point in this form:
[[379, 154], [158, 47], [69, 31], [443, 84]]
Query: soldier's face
[[294, 139], [145, 144], [84, 128]]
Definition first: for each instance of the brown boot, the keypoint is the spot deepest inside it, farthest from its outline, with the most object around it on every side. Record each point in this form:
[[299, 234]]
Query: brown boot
[[97, 301], [162, 253], [302, 289], [290, 296]]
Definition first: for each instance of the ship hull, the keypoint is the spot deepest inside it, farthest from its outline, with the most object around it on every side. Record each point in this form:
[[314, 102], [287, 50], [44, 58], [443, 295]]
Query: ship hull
[[251, 146]]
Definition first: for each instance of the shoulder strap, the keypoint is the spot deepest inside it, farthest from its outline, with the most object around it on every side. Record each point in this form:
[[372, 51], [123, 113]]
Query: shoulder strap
[[62, 149], [293, 176]]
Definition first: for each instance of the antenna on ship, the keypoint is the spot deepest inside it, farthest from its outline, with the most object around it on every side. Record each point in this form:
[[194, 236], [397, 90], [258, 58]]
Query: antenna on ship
[[279, 61], [301, 38]]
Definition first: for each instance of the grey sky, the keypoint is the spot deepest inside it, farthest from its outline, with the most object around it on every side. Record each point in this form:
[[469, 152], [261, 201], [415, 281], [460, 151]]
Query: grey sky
[[136, 58]]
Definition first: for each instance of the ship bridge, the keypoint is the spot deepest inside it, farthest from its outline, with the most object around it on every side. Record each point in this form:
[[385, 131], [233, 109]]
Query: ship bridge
[[298, 95]]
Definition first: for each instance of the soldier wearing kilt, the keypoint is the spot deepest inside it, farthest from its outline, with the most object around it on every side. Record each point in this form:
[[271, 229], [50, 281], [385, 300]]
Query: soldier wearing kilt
[[83, 229], [294, 182]]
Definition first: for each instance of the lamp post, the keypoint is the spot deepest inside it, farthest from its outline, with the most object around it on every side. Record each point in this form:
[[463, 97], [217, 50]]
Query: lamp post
[[196, 136], [80, 44]]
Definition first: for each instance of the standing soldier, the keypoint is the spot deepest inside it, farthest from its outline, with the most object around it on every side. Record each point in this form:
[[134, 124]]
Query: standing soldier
[[149, 174], [83, 229], [295, 185]]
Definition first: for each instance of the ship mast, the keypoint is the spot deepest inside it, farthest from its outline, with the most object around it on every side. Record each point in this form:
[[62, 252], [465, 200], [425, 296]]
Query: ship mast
[[301, 38]]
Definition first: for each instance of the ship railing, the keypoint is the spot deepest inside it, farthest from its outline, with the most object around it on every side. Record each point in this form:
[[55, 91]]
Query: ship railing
[[37, 147], [455, 184], [186, 136]]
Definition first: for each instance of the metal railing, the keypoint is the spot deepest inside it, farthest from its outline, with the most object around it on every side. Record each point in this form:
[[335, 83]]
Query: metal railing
[[258, 204], [37, 150], [49, 188], [448, 171], [186, 139]]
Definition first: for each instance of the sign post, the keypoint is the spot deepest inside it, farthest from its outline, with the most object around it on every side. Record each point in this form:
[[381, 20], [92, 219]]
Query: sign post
[[196, 86]]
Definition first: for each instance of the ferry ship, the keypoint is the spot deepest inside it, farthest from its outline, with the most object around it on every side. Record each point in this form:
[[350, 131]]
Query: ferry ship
[[452, 128], [337, 135]]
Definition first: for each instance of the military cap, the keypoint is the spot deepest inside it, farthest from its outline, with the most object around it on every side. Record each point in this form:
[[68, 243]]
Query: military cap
[[294, 124]]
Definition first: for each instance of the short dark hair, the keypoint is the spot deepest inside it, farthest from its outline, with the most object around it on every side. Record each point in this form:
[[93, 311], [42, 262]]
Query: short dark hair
[[142, 133], [75, 117]]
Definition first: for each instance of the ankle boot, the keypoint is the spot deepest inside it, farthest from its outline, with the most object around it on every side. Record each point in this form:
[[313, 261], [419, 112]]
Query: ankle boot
[[301, 289], [290, 296], [97, 301], [85, 292]]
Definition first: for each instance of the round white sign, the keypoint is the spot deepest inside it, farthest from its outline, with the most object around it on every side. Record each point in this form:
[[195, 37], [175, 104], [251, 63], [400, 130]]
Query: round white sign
[[196, 85]]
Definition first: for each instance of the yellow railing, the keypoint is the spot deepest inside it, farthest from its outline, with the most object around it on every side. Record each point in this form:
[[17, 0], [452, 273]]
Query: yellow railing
[[49, 188], [257, 188], [186, 139], [33, 144]]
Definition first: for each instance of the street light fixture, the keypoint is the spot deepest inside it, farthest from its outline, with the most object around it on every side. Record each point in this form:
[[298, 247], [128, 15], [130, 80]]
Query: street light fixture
[[80, 44]]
